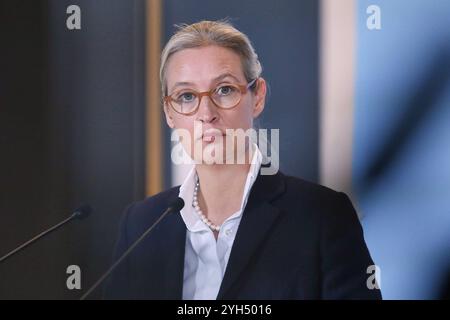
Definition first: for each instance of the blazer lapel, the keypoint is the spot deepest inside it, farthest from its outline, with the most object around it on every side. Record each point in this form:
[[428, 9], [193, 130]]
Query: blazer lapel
[[258, 217]]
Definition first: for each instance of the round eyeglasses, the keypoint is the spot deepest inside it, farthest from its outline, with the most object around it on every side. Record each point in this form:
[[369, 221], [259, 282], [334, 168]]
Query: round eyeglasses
[[224, 96]]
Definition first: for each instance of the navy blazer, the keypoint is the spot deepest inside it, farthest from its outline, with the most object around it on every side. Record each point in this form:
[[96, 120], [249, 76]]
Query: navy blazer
[[296, 240]]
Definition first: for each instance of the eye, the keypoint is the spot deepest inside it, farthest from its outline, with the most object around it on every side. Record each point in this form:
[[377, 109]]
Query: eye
[[225, 90], [185, 97]]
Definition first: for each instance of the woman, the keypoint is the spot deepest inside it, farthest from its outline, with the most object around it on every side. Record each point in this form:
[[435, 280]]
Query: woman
[[240, 235]]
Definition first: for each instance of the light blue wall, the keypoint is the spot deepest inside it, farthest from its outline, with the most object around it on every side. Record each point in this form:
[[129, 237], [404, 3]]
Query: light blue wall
[[401, 166]]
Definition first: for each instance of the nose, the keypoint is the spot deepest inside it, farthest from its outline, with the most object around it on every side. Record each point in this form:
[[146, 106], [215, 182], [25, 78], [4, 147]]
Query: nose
[[207, 111]]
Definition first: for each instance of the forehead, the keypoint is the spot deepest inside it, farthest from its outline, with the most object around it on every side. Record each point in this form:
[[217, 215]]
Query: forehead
[[203, 64]]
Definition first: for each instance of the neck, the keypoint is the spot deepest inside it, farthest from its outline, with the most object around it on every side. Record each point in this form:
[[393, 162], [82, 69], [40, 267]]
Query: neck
[[221, 189]]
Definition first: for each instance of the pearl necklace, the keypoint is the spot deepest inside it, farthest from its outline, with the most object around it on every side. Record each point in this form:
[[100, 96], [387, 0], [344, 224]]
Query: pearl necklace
[[196, 206]]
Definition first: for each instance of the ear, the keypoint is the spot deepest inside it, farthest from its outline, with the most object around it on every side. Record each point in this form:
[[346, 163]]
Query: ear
[[168, 113], [260, 97]]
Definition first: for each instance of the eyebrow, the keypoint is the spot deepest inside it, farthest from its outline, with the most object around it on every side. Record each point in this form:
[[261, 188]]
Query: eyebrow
[[225, 75], [216, 79]]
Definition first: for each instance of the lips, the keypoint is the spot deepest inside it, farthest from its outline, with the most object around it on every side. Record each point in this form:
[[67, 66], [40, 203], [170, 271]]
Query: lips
[[210, 135]]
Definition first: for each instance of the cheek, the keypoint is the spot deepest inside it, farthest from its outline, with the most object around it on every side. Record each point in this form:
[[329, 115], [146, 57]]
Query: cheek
[[182, 122], [185, 127], [242, 117]]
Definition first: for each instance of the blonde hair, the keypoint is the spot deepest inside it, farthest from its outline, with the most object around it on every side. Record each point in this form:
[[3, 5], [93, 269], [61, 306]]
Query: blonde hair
[[204, 33]]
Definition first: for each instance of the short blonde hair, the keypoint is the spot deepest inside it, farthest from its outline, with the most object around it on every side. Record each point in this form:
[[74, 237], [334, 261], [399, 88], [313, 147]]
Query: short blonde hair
[[204, 33]]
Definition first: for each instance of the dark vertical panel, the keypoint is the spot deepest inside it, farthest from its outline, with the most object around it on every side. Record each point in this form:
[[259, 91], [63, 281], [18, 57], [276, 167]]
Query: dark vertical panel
[[23, 157], [76, 119], [285, 34]]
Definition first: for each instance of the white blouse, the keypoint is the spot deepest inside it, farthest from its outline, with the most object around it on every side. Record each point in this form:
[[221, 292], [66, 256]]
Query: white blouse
[[205, 258]]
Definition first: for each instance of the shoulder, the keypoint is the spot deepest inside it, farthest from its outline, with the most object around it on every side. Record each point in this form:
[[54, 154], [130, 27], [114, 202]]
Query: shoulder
[[161, 199], [332, 211], [308, 193], [311, 188], [317, 206], [143, 212]]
